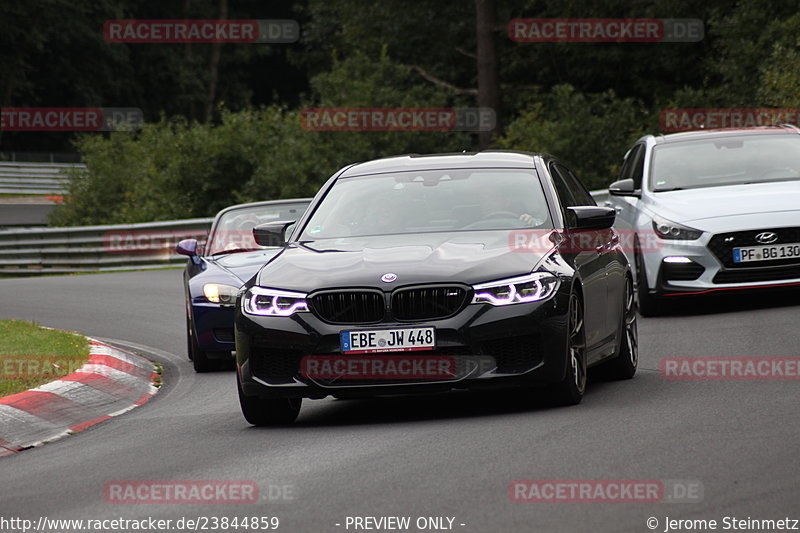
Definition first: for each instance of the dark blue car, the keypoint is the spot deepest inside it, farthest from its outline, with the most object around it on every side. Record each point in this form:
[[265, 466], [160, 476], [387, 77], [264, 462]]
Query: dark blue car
[[217, 269]]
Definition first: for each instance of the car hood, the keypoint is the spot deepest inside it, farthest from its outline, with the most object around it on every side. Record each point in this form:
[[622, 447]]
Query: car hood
[[243, 265], [467, 257], [733, 200]]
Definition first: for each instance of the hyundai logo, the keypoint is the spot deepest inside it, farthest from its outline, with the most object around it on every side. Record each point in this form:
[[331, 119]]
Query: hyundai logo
[[388, 277], [766, 237]]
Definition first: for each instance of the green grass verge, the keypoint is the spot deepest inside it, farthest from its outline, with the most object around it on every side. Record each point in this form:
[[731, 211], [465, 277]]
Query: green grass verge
[[27, 195], [31, 355]]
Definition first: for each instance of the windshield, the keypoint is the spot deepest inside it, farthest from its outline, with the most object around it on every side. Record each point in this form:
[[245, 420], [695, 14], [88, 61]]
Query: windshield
[[234, 230], [725, 161], [430, 201]]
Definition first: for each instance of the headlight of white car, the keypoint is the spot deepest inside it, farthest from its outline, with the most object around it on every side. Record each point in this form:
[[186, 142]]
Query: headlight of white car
[[273, 302], [529, 288], [666, 229]]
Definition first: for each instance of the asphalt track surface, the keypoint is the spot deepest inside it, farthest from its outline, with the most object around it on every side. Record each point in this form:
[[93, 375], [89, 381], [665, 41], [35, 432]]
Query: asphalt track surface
[[24, 214], [447, 455]]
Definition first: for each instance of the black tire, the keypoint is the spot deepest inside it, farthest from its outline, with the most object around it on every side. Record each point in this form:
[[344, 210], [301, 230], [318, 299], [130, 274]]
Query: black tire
[[624, 365], [199, 358], [268, 411], [646, 302], [189, 347], [570, 390]]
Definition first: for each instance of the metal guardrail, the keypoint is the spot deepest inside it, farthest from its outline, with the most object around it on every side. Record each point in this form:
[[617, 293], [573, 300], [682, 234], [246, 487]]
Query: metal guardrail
[[37, 251], [114, 248], [36, 178]]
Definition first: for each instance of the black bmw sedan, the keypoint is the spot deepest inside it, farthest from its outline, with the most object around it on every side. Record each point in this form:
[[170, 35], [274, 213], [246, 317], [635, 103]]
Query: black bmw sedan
[[436, 272]]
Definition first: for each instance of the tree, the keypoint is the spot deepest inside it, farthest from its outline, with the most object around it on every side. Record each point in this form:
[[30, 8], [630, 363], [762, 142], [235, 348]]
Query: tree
[[590, 132], [488, 87]]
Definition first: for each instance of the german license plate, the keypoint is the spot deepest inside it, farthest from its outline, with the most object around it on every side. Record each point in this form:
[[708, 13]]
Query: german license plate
[[388, 340], [772, 252]]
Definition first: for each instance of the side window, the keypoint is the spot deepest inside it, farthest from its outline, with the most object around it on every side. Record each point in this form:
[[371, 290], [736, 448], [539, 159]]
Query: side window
[[625, 169], [633, 167], [638, 168], [565, 193], [579, 192]]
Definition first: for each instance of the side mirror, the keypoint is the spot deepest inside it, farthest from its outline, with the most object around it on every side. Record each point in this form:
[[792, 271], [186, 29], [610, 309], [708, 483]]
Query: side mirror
[[187, 247], [591, 217], [272, 233], [624, 188]]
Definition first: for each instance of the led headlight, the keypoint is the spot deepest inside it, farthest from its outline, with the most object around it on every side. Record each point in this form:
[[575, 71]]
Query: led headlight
[[273, 302], [219, 293], [666, 229], [529, 288]]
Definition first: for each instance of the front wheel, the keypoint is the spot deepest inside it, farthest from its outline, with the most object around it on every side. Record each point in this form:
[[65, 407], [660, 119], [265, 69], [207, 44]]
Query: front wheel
[[268, 411], [198, 357], [189, 345], [647, 303], [624, 365], [569, 391]]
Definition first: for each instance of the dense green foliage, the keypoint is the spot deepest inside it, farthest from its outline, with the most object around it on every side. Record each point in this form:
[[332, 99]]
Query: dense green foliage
[[206, 146], [589, 131], [182, 169]]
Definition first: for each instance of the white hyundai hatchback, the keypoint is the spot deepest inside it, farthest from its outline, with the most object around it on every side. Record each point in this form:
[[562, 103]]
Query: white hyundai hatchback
[[709, 211]]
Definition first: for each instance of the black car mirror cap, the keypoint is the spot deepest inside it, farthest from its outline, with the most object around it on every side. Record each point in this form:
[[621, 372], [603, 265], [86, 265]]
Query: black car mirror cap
[[187, 247], [272, 233], [591, 217], [624, 187]]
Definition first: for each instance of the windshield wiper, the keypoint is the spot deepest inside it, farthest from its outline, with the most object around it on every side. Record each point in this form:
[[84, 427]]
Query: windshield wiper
[[790, 178]]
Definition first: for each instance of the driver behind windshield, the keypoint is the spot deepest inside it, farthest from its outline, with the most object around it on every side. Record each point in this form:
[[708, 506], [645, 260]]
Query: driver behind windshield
[[503, 204]]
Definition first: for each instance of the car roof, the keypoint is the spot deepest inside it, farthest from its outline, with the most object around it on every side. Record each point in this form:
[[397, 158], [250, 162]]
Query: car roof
[[415, 162], [784, 129]]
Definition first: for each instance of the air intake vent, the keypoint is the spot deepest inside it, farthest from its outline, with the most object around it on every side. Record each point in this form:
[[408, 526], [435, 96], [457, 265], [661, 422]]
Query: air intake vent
[[682, 271]]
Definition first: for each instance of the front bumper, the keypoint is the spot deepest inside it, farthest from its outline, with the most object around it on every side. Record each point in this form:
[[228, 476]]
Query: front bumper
[[522, 343], [213, 325], [706, 271]]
